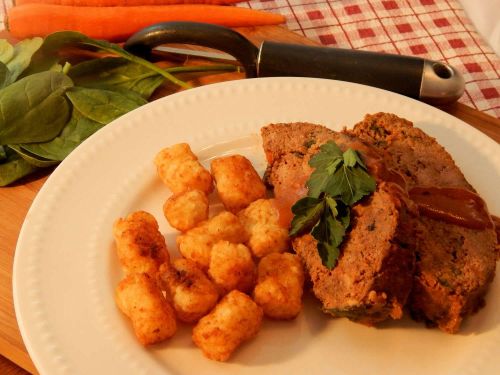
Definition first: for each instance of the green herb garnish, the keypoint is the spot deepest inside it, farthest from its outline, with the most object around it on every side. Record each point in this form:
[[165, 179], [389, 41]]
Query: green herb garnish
[[339, 180]]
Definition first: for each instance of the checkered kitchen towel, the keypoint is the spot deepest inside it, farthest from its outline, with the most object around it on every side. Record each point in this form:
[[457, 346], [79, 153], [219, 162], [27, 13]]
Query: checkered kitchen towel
[[434, 29]]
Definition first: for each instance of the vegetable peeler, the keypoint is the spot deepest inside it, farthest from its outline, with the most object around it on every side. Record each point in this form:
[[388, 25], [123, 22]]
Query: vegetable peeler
[[431, 81]]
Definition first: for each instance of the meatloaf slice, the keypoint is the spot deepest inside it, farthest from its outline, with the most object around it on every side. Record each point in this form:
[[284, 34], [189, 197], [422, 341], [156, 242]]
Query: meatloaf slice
[[373, 277], [455, 265]]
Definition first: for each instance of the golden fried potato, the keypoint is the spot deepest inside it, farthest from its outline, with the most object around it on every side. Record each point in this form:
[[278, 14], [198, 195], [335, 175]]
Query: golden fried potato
[[227, 226], [140, 245], [232, 267], [193, 295], [261, 221], [196, 244], [237, 182], [141, 300], [234, 320], [184, 211], [180, 169], [280, 284]]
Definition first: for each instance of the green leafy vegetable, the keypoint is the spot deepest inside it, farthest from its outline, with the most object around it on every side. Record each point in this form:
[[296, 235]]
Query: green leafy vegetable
[[75, 132], [14, 168], [3, 154], [103, 106], [339, 174], [4, 75], [35, 160], [14, 60], [23, 51], [339, 180], [307, 212], [112, 73], [92, 110], [54, 42], [34, 108], [6, 51], [325, 162], [45, 115]]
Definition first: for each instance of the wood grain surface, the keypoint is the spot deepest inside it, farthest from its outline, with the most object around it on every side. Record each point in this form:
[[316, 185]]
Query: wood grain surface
[[9, 368], [15, 201]]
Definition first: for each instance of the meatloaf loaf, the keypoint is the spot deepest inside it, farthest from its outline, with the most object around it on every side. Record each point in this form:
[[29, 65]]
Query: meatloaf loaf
[[373, 277], [454, 264]]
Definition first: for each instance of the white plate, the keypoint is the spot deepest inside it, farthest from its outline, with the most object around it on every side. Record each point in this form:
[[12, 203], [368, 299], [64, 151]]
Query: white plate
[[65, 268]]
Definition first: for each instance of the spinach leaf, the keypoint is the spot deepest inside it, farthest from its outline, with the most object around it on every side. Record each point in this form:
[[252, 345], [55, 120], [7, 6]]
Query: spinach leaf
[[103, 106], [34, 108], [98, 107], [15, 59], [14, 168], [47, 55], [3, 154], [23, 51], [35, 160], [42, 63], [6, 51], [75, 132], [4, 75], [116, 72]]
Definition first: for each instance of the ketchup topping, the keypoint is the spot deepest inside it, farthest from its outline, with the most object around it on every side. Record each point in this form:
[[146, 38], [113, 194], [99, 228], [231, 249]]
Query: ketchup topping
[[376, 166], [286, 197], [382, 173], [453, 205]]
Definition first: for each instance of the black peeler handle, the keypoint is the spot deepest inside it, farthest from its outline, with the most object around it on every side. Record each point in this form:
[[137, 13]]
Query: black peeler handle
[[431, 81], [401, 74]]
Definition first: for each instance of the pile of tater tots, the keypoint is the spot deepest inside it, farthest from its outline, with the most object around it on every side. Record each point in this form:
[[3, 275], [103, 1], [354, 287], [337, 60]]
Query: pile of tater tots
[[235, 266]]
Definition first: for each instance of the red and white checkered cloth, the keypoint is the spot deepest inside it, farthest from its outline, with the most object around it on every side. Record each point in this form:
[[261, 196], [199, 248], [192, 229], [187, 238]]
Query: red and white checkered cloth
[[434, 29]]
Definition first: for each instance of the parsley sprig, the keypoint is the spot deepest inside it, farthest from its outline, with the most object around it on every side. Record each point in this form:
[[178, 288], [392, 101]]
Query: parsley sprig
[[340, 179]]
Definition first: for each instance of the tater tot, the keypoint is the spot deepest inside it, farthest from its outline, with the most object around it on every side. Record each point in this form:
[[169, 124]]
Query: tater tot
[[237, 182], [141, 300], [261, 221], [180, 170], [227, 226], [196, 244], [232, 267], [234, 320], [140, 245], [280, 284], [192, 294], [184, 211]]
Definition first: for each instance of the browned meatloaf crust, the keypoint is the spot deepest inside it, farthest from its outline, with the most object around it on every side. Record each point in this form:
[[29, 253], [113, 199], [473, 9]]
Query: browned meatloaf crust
[[374, 273], [455, 265]]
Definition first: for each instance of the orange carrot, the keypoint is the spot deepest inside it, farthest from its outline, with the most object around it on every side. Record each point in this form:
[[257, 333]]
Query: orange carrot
[[118, 23], [123, 3]]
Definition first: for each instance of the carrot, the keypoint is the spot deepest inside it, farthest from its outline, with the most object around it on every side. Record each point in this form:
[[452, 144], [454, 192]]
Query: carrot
[[118, 23], [123, 3]]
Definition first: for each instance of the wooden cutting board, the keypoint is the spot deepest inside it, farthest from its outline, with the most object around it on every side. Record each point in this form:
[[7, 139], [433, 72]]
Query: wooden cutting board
[[16, 200]]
